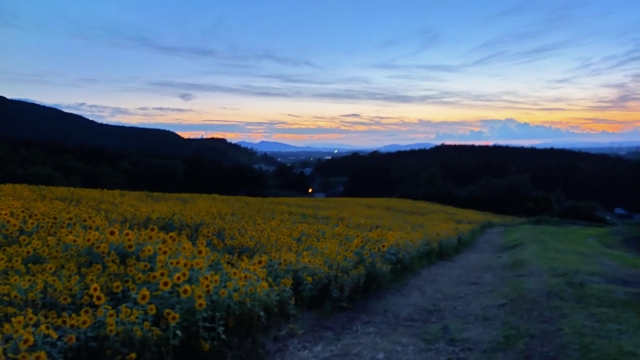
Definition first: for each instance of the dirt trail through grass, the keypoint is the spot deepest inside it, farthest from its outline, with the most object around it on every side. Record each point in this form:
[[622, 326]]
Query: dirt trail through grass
[[449, 310]]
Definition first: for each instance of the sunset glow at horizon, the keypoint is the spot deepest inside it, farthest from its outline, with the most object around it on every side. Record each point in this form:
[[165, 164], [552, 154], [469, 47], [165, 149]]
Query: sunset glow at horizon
[[358, 73]]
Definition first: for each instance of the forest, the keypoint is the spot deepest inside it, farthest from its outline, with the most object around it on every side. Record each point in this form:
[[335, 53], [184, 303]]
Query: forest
[[500, 179]]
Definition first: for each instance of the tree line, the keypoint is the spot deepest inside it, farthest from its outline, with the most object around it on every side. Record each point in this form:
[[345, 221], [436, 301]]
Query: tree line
[[500, 179], [38, 163]]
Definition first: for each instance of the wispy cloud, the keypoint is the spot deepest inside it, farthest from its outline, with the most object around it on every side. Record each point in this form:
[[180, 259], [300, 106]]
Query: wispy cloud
[[186, 96], [411, 44], [113, 114], [227, 51]]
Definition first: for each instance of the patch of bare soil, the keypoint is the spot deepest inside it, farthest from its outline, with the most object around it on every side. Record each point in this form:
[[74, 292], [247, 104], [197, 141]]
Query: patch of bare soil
[[449, 310]]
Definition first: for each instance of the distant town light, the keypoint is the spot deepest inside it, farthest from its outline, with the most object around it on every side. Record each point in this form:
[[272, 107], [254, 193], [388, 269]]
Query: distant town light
[[310, 190]]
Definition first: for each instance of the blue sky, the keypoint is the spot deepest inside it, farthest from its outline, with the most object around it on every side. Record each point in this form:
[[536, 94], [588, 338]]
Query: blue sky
[[352, 72]]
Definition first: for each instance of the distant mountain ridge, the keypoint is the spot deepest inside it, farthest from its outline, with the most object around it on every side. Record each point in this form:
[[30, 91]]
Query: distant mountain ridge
[[21, 120], [273, 146], [267, 146]]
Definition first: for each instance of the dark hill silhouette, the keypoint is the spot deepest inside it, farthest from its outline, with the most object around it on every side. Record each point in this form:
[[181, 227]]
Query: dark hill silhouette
[[503, 179], [23, 120], [40, 145]]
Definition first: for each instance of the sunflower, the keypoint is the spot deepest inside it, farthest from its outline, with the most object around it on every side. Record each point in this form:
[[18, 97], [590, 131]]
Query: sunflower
[[85, 322], [70, 339], [173, 319], [125, 312], [116, 287], [200, 304], [223, 293], [151, 309], [234, 274], [208, 288], [98, 299], [112, 233], [185, 291], [40, 355], [177, 278], [18, 321], [205, 345], [143, 296], [94, 289], [165, 284], [111, 330], [148, 250], [26, 341]]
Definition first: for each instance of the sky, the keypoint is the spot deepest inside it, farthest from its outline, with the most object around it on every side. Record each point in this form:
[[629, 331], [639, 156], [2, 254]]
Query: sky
[[318, 72]]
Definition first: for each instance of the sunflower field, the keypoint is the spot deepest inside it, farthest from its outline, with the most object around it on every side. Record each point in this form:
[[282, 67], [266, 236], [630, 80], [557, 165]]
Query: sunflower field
[[115, 274]]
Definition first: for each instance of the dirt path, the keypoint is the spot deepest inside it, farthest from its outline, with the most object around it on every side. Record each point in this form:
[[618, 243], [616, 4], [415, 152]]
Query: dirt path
[[450, 310]]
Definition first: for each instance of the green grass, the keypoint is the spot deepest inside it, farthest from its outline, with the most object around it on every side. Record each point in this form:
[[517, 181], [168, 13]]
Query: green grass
[[579, 283]]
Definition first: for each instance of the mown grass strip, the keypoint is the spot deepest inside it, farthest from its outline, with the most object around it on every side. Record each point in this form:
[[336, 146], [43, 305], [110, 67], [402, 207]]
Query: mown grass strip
[[574, 293]]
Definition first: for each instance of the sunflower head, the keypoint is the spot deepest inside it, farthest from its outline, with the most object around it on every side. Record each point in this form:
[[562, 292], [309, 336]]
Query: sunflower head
[[185, 291], [143, 296], [98, 299], [70, 339], [165, 284]]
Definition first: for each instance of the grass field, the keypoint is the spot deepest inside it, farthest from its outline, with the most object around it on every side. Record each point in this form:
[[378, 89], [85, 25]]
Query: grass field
[[572, 291]]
